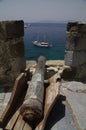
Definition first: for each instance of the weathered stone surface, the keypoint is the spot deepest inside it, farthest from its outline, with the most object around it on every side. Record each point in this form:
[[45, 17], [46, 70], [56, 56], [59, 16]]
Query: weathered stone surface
[[68, 73], [75, 44], [60, 117], [68, 58], [77, 105], [72, 26], [17, 66], [2, 89], [75, 58], [75, 53], [16, 48], [12, 60], [75, 41], [74, 86], [76, 27], [81, 72], [10, 72], [11, 29]]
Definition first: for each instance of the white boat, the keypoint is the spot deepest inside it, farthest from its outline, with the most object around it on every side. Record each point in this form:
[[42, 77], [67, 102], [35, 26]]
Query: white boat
[[41, 44], [26, 25]]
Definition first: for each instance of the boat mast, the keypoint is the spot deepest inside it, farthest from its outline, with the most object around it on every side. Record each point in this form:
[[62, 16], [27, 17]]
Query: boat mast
[[37, 36]]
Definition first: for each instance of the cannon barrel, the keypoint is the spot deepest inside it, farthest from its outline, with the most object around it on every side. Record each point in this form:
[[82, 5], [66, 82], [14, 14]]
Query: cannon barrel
[[32, 107]]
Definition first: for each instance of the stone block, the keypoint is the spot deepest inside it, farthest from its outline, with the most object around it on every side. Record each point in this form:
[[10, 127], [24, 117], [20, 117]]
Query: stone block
[[16, 48], [79, 27], [11, 29], [12, 60], [9, 71], [82, 27], [18, 64], [75, 42], [81, 72], [68, 58], [72, 26], [75, 58], [12, 48], [69, 73]]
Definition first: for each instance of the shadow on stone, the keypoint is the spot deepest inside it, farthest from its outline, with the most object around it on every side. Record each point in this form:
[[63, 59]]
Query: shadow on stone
[[72, 74], [57, 113], [69, 73]]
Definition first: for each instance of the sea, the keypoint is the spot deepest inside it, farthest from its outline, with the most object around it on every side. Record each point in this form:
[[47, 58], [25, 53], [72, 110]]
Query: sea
[[53, 33]]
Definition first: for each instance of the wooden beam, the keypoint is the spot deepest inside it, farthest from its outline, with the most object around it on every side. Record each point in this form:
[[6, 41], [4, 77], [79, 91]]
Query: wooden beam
[[27, 127], [19, 124], [51, 96], [17, 92], [12, 121]]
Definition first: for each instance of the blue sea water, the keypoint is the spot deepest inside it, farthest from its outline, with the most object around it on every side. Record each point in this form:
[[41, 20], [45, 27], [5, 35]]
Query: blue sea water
[[54, 33]]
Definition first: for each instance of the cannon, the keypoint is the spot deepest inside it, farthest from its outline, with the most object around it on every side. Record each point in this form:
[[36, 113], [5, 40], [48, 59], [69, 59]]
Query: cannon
[[32, 107], [31, 102]]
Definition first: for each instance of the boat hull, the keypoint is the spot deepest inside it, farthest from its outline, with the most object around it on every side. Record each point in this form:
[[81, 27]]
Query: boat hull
[[41, 44]]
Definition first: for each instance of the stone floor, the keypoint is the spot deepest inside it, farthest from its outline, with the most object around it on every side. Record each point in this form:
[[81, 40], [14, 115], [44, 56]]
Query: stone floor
[[60, 118], [5, 93], [75, 93]]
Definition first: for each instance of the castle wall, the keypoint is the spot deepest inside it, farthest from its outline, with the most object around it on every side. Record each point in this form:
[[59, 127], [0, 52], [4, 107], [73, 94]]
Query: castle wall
[[75, 52], [12, 60]]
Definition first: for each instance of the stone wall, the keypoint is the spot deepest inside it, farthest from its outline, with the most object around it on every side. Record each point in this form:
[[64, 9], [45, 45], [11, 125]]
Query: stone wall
[[12, 60], [75, 53]]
